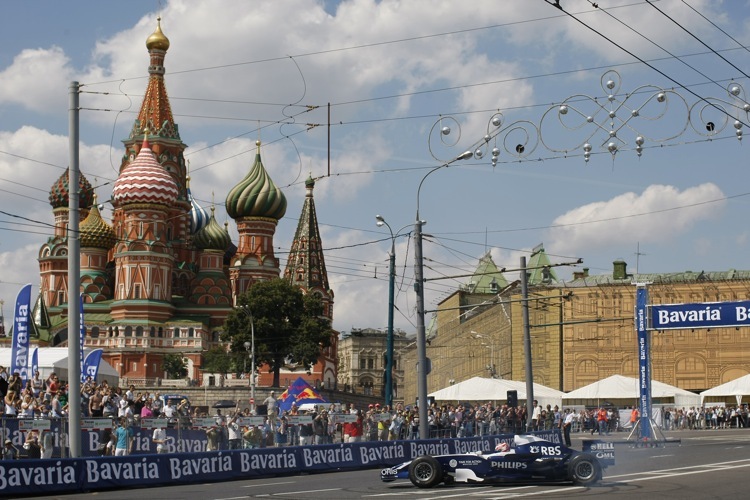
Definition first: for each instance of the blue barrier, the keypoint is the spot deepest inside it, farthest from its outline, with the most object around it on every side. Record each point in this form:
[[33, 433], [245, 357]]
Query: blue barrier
[[91, 473]]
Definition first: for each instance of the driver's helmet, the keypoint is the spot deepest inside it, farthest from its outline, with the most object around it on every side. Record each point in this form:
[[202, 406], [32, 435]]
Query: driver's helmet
[[502, 447]]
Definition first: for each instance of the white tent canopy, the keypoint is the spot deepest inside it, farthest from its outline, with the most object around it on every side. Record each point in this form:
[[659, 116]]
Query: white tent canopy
[[738, 387], [55, 359], [619, 387], [493, 389]]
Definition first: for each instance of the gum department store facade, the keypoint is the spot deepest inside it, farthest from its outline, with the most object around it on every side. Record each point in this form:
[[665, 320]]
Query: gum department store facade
[[581, 330]]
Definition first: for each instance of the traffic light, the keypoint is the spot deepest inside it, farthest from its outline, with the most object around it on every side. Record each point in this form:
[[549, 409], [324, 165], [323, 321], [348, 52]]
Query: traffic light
[[512, 399]]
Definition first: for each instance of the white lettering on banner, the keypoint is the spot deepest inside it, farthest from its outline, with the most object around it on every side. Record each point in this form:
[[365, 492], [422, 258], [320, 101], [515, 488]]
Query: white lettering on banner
[[641, 322], [37, 476], [190, 446], [184, 467], [326, 456], [508, 465], [389, 452], [470, 446], [741, 313], [107, 471], [261, 461], [707, 314], [418, 449]]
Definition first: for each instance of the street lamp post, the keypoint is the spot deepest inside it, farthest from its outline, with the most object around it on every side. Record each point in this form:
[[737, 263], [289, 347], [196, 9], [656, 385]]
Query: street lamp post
[[391, 284], [251, 346], [491, 367], [422, 368]]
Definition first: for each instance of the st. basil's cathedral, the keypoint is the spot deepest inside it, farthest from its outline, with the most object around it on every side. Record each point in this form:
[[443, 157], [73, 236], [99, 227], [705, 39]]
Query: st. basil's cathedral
[[164, 276]]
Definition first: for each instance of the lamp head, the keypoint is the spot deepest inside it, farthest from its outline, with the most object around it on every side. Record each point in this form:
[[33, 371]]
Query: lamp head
[[380, 220], [247, 345]]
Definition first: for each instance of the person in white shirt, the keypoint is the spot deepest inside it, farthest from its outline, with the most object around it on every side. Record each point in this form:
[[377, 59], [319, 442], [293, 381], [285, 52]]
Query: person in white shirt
[[160, 438], [567, 425]]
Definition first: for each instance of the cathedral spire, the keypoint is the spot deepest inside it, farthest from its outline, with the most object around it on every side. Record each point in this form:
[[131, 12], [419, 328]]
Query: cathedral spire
[[306, 266]]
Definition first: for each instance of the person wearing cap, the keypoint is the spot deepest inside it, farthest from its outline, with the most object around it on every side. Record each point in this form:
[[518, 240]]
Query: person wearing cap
[[10, 452]]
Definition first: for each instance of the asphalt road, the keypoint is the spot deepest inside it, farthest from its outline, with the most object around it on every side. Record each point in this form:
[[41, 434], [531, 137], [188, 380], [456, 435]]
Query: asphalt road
[[703, 464]]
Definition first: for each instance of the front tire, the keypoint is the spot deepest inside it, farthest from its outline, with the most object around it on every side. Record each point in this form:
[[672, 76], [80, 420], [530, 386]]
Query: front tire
[[425, 472], [584, 470]]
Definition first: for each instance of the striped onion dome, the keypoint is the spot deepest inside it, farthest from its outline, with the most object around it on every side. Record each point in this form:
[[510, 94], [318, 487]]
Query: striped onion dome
[[198, 214], [95, 232], [256, 195], [212, 236], [59, 193], [144, 180]]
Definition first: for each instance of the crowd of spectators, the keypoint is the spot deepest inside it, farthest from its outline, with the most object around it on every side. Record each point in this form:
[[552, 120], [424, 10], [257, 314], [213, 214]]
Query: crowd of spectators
[[48, 398]]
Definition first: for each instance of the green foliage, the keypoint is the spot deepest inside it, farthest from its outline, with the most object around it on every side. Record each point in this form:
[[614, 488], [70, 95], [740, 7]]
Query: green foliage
[[217, 360], [174, 365], [287, 324]]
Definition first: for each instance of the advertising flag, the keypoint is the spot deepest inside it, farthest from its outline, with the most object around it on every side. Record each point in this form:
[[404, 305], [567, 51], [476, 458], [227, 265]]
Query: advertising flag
[[82, 340], [91, 364], [19, 354], [34, 362]]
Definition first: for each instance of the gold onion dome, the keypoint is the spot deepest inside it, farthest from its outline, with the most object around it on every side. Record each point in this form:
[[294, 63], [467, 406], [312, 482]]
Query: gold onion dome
[[95, 232], [256, 195], [145, 180], [59, 193], [212, 236], [157, 40]]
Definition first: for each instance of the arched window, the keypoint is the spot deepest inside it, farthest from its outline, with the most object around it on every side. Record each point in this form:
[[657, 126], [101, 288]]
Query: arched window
[[191, 332], [128, 331], [139, 331], [94, 332], [176, 332]]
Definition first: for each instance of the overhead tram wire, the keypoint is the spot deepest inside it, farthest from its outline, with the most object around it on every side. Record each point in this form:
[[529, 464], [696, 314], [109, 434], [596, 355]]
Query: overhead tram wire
[[632, 54], [670, 53], [739, 44], [651, 3]]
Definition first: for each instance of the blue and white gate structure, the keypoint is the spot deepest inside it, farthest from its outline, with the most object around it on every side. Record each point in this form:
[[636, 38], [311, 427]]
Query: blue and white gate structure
[[676, 317]]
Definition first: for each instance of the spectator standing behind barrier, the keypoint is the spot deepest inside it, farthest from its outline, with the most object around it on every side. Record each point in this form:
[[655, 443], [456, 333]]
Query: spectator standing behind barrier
[[32, 446], [234, 433], [160, 438], [320, 427], [10, 452], [47, 444], [270, 403], [601, 419], [567, 425], [306, 434], [124, 436]]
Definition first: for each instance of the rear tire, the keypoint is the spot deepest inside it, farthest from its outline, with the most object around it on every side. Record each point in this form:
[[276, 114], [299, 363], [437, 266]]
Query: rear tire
[[584, 470], [425, 472]]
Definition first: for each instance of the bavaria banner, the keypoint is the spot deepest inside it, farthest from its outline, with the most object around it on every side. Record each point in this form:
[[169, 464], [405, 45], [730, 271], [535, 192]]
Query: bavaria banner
[[91, 364], [34, 362], [19, 354], [82, 341], [700, 315], [27, 477], [644, 361]]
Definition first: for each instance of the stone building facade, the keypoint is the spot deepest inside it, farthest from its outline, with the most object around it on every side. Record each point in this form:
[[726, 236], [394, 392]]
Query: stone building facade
[[582, 330]]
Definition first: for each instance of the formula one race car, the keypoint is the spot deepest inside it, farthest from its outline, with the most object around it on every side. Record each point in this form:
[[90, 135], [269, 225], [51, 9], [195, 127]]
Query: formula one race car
[[530, 458]]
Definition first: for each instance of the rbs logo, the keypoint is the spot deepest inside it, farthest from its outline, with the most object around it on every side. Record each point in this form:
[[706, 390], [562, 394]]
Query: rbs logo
[[550, 450]]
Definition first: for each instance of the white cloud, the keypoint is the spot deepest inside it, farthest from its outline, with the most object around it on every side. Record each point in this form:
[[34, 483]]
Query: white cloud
[[658, 214], [38, 79]]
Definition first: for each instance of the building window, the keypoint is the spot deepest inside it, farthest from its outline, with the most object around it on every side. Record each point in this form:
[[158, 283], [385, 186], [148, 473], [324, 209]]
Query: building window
[[362, 363], [191, 332], [176, 332], [370, 363], [139, 331], [128, 331], [137, 291]]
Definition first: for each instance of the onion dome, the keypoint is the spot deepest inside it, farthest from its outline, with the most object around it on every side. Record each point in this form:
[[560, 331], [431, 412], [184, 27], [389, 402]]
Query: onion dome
[[59, 194], [198, 214], [144, 180], [212, 236], [95, 232], [256, 195], [157, 40]]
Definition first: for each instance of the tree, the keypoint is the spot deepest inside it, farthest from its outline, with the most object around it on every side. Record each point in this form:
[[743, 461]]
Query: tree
[[174, 365], [288, 325], [216, 360]]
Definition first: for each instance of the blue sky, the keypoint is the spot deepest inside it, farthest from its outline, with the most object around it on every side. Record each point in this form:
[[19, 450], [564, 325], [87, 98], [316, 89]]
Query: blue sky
[[391, 70]]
